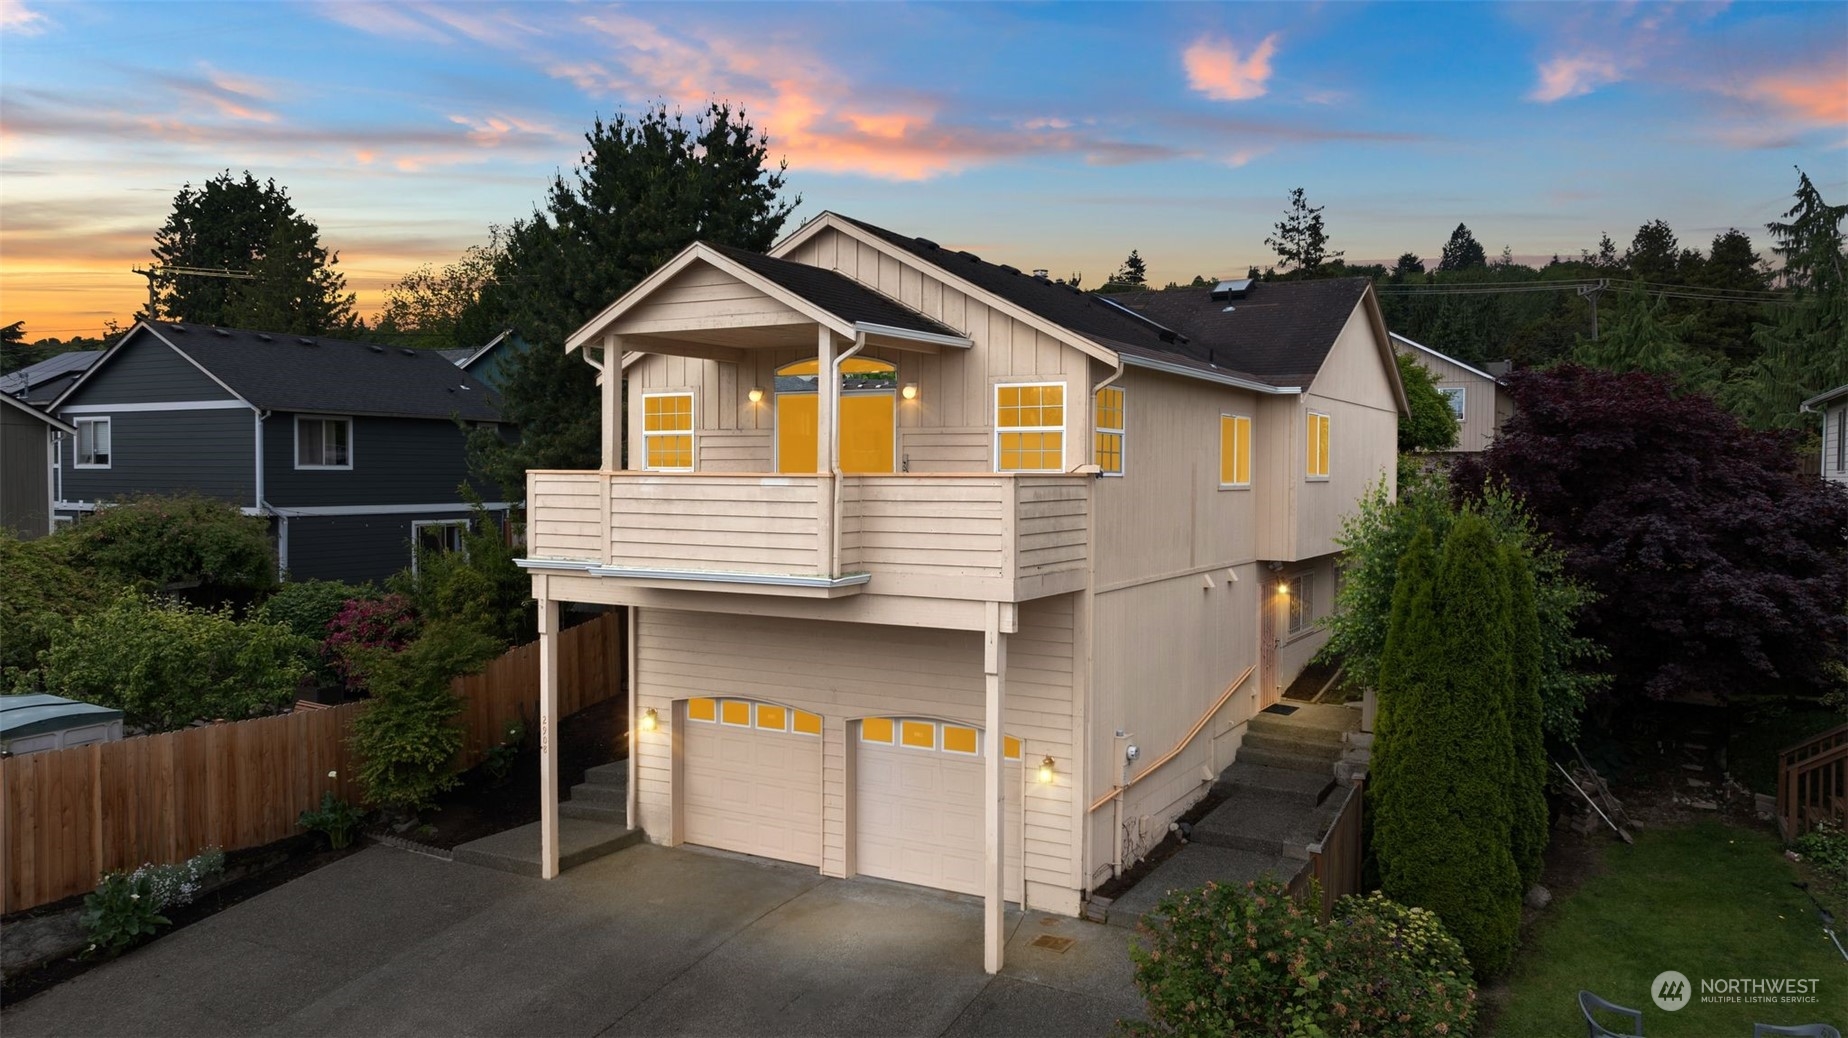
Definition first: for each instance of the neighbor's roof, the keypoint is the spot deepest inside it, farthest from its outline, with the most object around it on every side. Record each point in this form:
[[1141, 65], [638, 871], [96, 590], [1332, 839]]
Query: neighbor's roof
[[1471, 368], [276, 372], [42, 382], [1823, 398], [34, 714], [834, 292]]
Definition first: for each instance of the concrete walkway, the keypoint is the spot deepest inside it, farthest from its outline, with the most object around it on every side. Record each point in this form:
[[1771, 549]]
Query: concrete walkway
[[649, 941]]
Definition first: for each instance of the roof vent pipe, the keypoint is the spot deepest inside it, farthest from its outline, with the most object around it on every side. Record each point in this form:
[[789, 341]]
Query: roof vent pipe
[[1041, 272]]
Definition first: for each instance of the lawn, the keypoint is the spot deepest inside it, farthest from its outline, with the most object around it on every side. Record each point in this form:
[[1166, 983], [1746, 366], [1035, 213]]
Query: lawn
[[1710, 900]]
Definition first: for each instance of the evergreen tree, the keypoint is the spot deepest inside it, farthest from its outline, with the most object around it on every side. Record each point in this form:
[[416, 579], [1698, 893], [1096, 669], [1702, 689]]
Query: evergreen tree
[[1301, 241], [1134, 273], [1654, 254], [1462, 251], [1639, 335], [1409, 635], [1528, 780], [1409, 265]]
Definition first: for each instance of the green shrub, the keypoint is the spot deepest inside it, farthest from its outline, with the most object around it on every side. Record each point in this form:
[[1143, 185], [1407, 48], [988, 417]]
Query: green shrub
[[479, 586], [1527, 783], [406, 740], [335, 819], [165, 665], [184, 541], [306, 607], [1252, 960], [121, 912], [40, 591], [1826, 847]]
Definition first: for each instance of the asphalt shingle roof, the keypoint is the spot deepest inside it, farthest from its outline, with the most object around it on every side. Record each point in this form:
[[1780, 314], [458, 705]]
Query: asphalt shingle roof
[[311, 373], [834, 292]]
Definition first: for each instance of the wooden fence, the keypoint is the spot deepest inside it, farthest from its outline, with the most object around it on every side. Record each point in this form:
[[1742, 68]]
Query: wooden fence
[[1812, 782], [68, 816], [1336, 861]]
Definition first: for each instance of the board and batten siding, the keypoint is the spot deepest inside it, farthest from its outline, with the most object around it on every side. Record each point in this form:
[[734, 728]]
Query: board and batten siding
[[395, 461], [1835, 443], [168, 452], [845, 672], [25, 474], [1355, 391]]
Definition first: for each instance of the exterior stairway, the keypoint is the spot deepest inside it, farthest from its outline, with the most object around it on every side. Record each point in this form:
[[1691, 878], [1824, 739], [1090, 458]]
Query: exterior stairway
[[591, 824], [603, 796], [1278, 801]]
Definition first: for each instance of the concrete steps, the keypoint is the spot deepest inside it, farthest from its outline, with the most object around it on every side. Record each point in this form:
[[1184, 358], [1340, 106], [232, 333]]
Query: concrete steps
[[592, 823], [1286, 785], [603, 796], [1257, 821]]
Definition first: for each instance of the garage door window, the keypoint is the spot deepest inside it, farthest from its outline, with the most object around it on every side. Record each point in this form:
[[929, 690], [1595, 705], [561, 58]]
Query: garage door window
[[920, 734], [743, 713]]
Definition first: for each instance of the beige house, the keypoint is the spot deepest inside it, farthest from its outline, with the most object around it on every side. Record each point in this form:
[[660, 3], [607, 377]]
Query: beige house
[[1476, 396], [1833, 406], [918, 547]]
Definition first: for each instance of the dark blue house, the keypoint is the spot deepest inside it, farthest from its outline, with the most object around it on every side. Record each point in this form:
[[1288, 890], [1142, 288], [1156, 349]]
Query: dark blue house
[[355, 451]]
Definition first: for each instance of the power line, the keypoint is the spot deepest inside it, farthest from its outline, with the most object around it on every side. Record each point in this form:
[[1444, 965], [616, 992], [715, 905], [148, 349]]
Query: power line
[[1588, 286]]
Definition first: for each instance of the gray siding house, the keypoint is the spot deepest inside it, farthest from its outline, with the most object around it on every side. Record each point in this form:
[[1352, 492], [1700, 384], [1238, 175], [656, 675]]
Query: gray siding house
[[355, 451], [1833, 406], [28, 447]]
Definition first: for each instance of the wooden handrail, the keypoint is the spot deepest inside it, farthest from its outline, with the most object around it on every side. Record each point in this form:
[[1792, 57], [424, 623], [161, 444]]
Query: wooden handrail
[[1833, 737], [1812, 775], [1116, 791]]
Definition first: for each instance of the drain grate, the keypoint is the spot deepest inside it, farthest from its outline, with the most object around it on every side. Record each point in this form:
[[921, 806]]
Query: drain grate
[[1051, 943]]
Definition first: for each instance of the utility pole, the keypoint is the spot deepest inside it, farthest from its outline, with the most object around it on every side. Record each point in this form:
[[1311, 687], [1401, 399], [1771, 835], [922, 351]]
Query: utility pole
[[1590, 294], [153, 270]]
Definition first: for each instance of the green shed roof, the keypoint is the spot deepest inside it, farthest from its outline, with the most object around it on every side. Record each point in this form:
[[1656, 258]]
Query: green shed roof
[[38, 713]]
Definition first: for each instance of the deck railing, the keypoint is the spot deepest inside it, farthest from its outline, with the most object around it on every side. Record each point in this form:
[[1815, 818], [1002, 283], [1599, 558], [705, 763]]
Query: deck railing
[[1812, 782]]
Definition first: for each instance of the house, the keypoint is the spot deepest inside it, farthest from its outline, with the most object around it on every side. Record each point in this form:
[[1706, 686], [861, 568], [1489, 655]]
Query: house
[[354, 451], [39, 384], [28, 450], [489, 363], [1833, 406], [1476, 395], [1018, 606]]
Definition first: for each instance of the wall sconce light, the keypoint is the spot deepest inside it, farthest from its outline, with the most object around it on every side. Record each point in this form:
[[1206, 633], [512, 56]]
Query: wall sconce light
[[1045, 771], [910, 391], [649, 721], [1283, 588], [757, 394]]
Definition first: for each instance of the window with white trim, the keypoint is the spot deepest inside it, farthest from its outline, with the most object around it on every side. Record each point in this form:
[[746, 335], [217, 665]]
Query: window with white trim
[[323, 443], [1318, 445], [1109, 435], [667, 431], [1453, 395], [1030, 427], [1302, 606], [436, 537], [94, 446]]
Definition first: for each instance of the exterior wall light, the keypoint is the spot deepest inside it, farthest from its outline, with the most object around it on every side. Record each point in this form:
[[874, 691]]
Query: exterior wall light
[[1283, 588], [1045, 771], [757, 394], [649, 721], [910, 391]]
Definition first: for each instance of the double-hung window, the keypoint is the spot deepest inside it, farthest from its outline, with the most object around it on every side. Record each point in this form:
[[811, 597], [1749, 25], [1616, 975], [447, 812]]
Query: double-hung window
[[323, 443], [1318, 445], [1234, 450], [93, 443], [1109, 435], [667, 431], [1454, 395], [1030, 427]]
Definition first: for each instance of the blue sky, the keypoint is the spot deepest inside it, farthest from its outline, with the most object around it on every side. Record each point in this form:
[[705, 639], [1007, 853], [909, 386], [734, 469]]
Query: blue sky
[[1044, 135]]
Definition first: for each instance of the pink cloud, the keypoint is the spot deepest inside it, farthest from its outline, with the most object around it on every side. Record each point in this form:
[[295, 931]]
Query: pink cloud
[[1817, 96], [1215, 69], [1573, 76], [16, 17]]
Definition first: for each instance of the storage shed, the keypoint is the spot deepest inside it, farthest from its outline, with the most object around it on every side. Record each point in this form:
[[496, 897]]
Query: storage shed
[[44, 722]]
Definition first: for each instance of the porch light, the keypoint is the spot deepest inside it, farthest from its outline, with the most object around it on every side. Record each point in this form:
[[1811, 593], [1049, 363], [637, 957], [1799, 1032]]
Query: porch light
[[648, 720], [1045, 771], [910, 391], [1283, 588], [757, 394]]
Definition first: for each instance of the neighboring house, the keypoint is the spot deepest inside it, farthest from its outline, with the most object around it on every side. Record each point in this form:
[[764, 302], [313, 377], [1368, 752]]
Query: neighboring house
[[1833, 406], [28, 453], [39, 384], [353, 450], [491, 363], [1476, 395], [1060, 528]]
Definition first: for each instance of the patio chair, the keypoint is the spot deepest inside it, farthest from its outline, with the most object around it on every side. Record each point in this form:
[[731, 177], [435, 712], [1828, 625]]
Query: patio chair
[[1794, 1031], [1590, 1003]]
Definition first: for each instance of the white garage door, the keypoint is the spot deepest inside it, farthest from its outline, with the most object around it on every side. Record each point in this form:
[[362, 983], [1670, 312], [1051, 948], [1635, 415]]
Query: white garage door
[[751, 779], [918, 807]]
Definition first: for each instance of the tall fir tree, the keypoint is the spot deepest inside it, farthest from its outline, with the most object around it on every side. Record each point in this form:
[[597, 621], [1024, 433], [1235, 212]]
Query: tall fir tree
[[1462, 251], [1401, 682], [1528, 780], [1301, 238]]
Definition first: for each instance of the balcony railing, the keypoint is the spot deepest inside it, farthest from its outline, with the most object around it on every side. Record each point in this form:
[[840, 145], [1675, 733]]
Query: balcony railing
[[989, 537]]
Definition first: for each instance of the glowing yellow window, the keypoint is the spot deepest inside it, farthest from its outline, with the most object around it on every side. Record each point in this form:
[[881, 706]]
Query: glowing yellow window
[[1234, 450], [731, 711], [1109, 436], [807, 723], [876, 729], [1318, 446], [920, 735], [1030, 428], [775, 718], [667, 431], [957, 739], [702, 710], [1011, 748]]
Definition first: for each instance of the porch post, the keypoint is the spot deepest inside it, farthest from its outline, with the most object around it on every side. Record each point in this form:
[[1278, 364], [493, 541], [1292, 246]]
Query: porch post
[[612, 403], [548, 736], [824, 442], [994, 889]]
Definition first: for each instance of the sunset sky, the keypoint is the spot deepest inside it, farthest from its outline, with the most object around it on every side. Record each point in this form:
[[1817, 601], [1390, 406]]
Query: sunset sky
[[1045, 135]]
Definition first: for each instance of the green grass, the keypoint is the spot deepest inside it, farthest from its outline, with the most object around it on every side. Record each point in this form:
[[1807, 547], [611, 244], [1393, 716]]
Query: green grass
[[1709, 900]]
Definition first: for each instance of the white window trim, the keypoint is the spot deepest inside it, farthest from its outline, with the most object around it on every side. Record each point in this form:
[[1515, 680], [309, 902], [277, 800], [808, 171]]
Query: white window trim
[[1309, 449], [691, 432], [417, 527], [77, 461], [323, 418], [1250, 462], [1462, 397], [994, 418], [1121, 431]]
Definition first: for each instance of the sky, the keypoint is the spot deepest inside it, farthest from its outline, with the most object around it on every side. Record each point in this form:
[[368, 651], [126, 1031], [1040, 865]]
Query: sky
[[1042, 135]]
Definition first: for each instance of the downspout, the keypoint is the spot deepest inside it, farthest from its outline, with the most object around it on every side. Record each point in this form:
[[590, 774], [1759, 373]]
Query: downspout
[[834, 448], [1105, 384], [282, 548]]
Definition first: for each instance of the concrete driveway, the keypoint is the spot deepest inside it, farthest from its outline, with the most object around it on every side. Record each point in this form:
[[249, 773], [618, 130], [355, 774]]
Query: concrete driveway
[[649, 941]]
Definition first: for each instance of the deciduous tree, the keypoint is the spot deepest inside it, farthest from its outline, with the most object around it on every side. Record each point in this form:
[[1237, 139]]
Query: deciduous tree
[[1429, 425]]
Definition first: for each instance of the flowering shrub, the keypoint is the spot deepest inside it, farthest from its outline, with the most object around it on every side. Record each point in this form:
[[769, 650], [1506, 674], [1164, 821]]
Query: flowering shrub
[[363, 625], [1238, 960], [178, 884], [335, 819]]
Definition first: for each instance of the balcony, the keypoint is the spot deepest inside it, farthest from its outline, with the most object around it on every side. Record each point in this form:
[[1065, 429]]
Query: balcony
[[982, 537]]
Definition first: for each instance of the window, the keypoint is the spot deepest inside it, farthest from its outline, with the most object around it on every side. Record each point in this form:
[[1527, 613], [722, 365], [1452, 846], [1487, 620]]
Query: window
[[323, 443], [765, 717], [1453, 395], [1109, 443], [1234, 450], [93, 447], [1318, 445], [1841, 440], [1030, 428], [1302, 606], [667, 431], [434, 536]]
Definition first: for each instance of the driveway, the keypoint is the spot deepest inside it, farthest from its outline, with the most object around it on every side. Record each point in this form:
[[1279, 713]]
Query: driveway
[[649, 941]]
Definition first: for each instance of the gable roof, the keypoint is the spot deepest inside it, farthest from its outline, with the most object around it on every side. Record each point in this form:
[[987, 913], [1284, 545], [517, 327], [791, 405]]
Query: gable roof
[[1281, 331], [276, 372], [42, 382], [38, 414], [1825, 397], [836, 293], [1447, 358]]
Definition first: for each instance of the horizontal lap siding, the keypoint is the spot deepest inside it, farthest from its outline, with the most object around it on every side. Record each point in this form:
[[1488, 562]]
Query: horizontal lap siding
[[933, 527], [701, 292], [169, 452], [746, 525], [565, 518], [1051, 528]]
